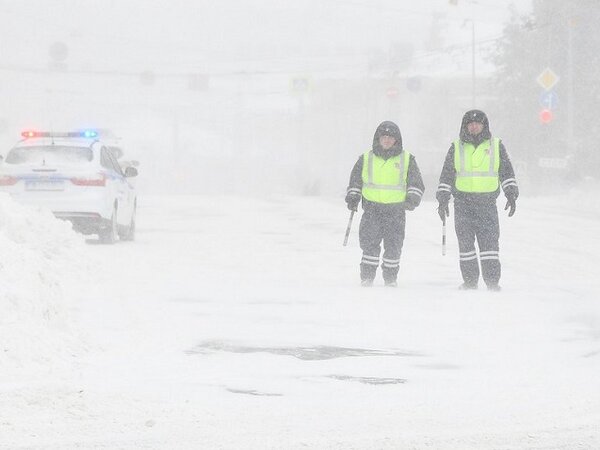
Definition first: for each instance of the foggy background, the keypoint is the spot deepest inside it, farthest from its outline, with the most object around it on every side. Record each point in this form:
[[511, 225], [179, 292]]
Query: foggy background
[[237, 321], [270, 96]]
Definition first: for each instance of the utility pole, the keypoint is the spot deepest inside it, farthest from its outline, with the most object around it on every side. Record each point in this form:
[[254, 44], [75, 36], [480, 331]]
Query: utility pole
[[570, 96], [473, 74]]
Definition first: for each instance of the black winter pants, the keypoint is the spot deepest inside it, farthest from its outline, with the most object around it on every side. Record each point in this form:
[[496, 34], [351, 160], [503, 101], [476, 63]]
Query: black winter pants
[[478, 220], [384, 223]]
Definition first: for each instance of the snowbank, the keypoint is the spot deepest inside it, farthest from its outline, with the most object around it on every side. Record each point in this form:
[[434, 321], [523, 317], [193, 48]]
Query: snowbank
[[39, 256]]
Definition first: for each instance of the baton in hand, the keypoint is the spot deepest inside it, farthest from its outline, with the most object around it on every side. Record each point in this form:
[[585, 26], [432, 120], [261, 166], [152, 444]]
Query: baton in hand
[[444, 236], [348, 227]]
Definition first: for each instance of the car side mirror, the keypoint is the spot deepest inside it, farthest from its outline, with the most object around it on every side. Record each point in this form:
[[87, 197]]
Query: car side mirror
[[131, 172]]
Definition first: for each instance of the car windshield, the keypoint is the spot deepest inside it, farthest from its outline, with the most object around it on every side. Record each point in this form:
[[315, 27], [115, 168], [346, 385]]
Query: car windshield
[[49, 154]]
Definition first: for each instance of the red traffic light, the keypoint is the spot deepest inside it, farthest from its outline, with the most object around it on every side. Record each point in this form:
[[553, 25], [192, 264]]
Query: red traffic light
[[546, 116]]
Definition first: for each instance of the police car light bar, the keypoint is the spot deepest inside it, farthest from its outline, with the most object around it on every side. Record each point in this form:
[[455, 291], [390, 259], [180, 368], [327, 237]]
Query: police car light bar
[[38, 134]]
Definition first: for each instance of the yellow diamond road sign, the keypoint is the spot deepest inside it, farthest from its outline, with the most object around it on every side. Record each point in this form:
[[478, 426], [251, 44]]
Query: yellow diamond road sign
[[547, 79]]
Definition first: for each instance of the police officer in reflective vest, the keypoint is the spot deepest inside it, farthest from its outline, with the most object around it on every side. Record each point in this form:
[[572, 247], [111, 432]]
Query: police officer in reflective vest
[[389, 182], [476, 167]]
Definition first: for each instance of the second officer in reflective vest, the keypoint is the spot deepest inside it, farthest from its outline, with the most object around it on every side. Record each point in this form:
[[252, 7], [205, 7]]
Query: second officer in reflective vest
[[476, 167], [389, 182]]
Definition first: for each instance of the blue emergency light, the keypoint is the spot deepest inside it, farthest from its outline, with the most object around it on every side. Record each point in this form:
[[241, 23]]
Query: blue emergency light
[[90, 133]]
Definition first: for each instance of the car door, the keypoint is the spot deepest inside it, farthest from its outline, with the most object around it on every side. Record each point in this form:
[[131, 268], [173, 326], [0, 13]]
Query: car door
[[126, 190], [118, 185]]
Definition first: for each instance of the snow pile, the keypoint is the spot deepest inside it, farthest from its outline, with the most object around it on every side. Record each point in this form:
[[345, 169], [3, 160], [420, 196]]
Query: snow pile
[[39, 257]]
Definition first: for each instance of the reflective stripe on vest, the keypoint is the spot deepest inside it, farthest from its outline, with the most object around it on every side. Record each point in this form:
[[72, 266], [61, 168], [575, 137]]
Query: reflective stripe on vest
[[477, 168], [384, 180]]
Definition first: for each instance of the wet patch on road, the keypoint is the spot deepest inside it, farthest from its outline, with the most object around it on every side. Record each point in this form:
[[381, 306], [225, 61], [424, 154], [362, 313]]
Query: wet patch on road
[[252, 392], [320, 352], [190, 300], [368, 380], [278, 302], [438, 366]]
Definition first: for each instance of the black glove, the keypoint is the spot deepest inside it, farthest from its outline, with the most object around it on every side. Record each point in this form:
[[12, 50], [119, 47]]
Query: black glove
[[409, 206], [443, 211], [511, 203], [353, 199]]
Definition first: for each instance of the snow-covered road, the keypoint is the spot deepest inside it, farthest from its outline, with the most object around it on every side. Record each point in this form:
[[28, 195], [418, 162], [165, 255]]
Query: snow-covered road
[[240, 323]]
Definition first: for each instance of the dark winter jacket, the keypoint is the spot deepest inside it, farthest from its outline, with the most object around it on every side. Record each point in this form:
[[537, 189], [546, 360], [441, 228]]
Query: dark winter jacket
[[447, 188], [415, 186]]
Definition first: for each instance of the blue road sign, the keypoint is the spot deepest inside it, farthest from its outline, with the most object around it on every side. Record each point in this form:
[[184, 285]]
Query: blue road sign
[[549, 99]]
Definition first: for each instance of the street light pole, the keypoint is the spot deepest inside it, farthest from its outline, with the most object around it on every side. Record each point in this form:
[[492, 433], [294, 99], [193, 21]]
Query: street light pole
[[473, 74], [473, 78]]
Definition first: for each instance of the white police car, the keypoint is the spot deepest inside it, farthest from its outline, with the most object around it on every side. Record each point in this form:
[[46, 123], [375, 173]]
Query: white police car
[[76, 176]]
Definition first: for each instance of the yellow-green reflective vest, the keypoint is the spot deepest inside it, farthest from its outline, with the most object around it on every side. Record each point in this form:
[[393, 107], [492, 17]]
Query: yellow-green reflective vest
[[477, 168], [384, 180]]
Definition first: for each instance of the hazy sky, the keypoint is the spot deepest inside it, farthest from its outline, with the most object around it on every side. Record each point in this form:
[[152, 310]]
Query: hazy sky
[[200, 35]]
